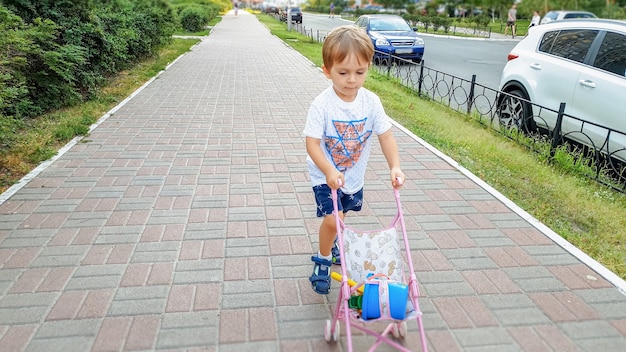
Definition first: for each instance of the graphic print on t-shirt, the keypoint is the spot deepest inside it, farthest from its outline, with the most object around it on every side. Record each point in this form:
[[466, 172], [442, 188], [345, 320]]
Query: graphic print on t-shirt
[[346, 148]]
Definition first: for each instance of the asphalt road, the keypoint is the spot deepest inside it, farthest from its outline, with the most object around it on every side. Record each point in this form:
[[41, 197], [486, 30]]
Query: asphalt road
[[464, 58]]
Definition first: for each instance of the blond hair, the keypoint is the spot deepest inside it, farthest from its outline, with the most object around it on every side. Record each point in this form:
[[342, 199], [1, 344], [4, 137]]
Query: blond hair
[[345, 40]]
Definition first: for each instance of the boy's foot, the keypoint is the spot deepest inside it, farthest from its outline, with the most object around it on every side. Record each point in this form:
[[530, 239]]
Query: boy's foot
[[336, 253], [320, 279]]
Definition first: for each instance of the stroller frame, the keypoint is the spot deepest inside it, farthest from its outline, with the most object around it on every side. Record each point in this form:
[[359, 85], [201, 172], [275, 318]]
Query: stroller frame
[[397, 328]]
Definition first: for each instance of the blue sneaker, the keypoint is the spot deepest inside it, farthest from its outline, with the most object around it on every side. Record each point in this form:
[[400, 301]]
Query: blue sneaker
[[336, 253], [320, 279]]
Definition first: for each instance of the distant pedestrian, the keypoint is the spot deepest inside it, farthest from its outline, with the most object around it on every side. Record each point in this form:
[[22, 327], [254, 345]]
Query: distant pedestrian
[[340, 127], [236, 7], [510, 22], [535, 20], [332, 10]]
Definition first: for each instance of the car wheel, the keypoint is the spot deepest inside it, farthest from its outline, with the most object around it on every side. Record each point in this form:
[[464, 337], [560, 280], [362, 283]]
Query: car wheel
[[515, 111]]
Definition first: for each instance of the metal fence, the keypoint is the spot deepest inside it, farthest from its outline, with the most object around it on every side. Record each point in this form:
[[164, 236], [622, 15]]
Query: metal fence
[[474, 31], [596, 151], [314, 34]]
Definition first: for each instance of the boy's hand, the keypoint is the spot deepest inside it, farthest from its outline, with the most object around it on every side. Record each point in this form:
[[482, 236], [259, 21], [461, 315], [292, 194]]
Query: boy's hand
[[397, 178], [333, 177]]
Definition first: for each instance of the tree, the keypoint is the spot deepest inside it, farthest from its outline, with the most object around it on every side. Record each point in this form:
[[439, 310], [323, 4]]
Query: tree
[[396, 4]]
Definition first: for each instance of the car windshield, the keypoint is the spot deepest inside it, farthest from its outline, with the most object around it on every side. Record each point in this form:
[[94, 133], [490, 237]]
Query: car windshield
[[552, 15], [389, 24], [579, 15]]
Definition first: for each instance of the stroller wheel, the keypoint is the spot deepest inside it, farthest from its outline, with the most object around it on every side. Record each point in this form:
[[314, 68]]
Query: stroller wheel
[[337, 330], [327, 333], [330, 335], [395, 331], [402, 329], [399, 330]]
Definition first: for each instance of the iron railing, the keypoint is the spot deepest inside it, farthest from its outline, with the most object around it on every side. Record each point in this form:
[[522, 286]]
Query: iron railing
[[474, 31], [315, 34], [597, 151]]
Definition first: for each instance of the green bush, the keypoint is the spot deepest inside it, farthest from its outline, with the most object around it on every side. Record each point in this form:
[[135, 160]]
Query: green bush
[[14, 99], [441, 22], [435, 22], [193, 18], [194, 15], [52, 79], [71, 47], [481, 20]]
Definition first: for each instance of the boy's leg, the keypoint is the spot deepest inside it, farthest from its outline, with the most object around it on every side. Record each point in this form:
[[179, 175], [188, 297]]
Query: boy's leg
[[328, 238], [320, 278], [349, 202], [327, 234]]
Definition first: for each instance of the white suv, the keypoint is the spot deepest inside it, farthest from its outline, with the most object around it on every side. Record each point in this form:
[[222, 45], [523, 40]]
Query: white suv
[[581, 63]]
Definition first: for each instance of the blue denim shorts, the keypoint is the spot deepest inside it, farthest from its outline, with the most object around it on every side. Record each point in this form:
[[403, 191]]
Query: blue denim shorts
[[345, 202]]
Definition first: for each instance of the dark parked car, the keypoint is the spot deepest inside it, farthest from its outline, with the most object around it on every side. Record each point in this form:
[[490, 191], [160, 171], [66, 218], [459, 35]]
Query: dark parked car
[[296, 15], [271, 8], [392, 36]]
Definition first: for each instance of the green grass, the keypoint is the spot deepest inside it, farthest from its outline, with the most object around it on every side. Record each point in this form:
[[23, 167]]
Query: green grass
[[521, 27], [303, 44], [586, 214]]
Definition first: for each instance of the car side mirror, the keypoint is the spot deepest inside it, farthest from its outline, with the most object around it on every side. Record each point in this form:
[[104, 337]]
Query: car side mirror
[[414, 29]]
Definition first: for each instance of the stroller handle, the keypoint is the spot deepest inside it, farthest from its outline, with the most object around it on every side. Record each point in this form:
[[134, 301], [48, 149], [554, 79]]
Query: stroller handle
[[396, 193], [399, 179]]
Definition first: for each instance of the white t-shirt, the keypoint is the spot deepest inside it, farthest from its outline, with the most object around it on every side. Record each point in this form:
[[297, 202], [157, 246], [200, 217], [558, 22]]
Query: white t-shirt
[[535, 20], [344, 130]]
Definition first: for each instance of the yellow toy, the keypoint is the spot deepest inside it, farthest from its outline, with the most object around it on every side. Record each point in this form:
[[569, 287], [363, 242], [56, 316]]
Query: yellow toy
[[351, 282]]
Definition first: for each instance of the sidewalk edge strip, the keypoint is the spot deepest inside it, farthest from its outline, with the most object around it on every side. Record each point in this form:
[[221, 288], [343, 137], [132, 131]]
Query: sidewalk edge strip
[[610, 276]]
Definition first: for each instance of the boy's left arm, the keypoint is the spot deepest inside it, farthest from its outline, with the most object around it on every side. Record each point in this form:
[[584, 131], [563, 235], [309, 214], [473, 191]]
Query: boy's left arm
[[390, 150]]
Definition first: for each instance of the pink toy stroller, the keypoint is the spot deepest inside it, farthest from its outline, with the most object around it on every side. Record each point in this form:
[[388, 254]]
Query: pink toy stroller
[[374, 288]]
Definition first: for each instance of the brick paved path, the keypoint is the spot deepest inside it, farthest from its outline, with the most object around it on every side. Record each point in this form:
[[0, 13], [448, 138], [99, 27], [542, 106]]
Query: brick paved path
[[185, 221]]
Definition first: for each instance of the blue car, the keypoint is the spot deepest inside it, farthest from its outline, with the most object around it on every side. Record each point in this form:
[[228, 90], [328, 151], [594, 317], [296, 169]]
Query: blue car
[[392, 37]]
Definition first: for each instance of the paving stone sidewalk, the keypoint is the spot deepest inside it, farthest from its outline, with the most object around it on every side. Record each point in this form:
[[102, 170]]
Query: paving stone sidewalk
[[185, 222]]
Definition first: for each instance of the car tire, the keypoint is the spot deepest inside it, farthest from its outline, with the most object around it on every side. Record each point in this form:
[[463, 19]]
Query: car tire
[[515, 111]]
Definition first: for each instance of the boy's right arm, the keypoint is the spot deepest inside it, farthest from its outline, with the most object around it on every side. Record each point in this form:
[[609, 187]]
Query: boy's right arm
[[317, 155]]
